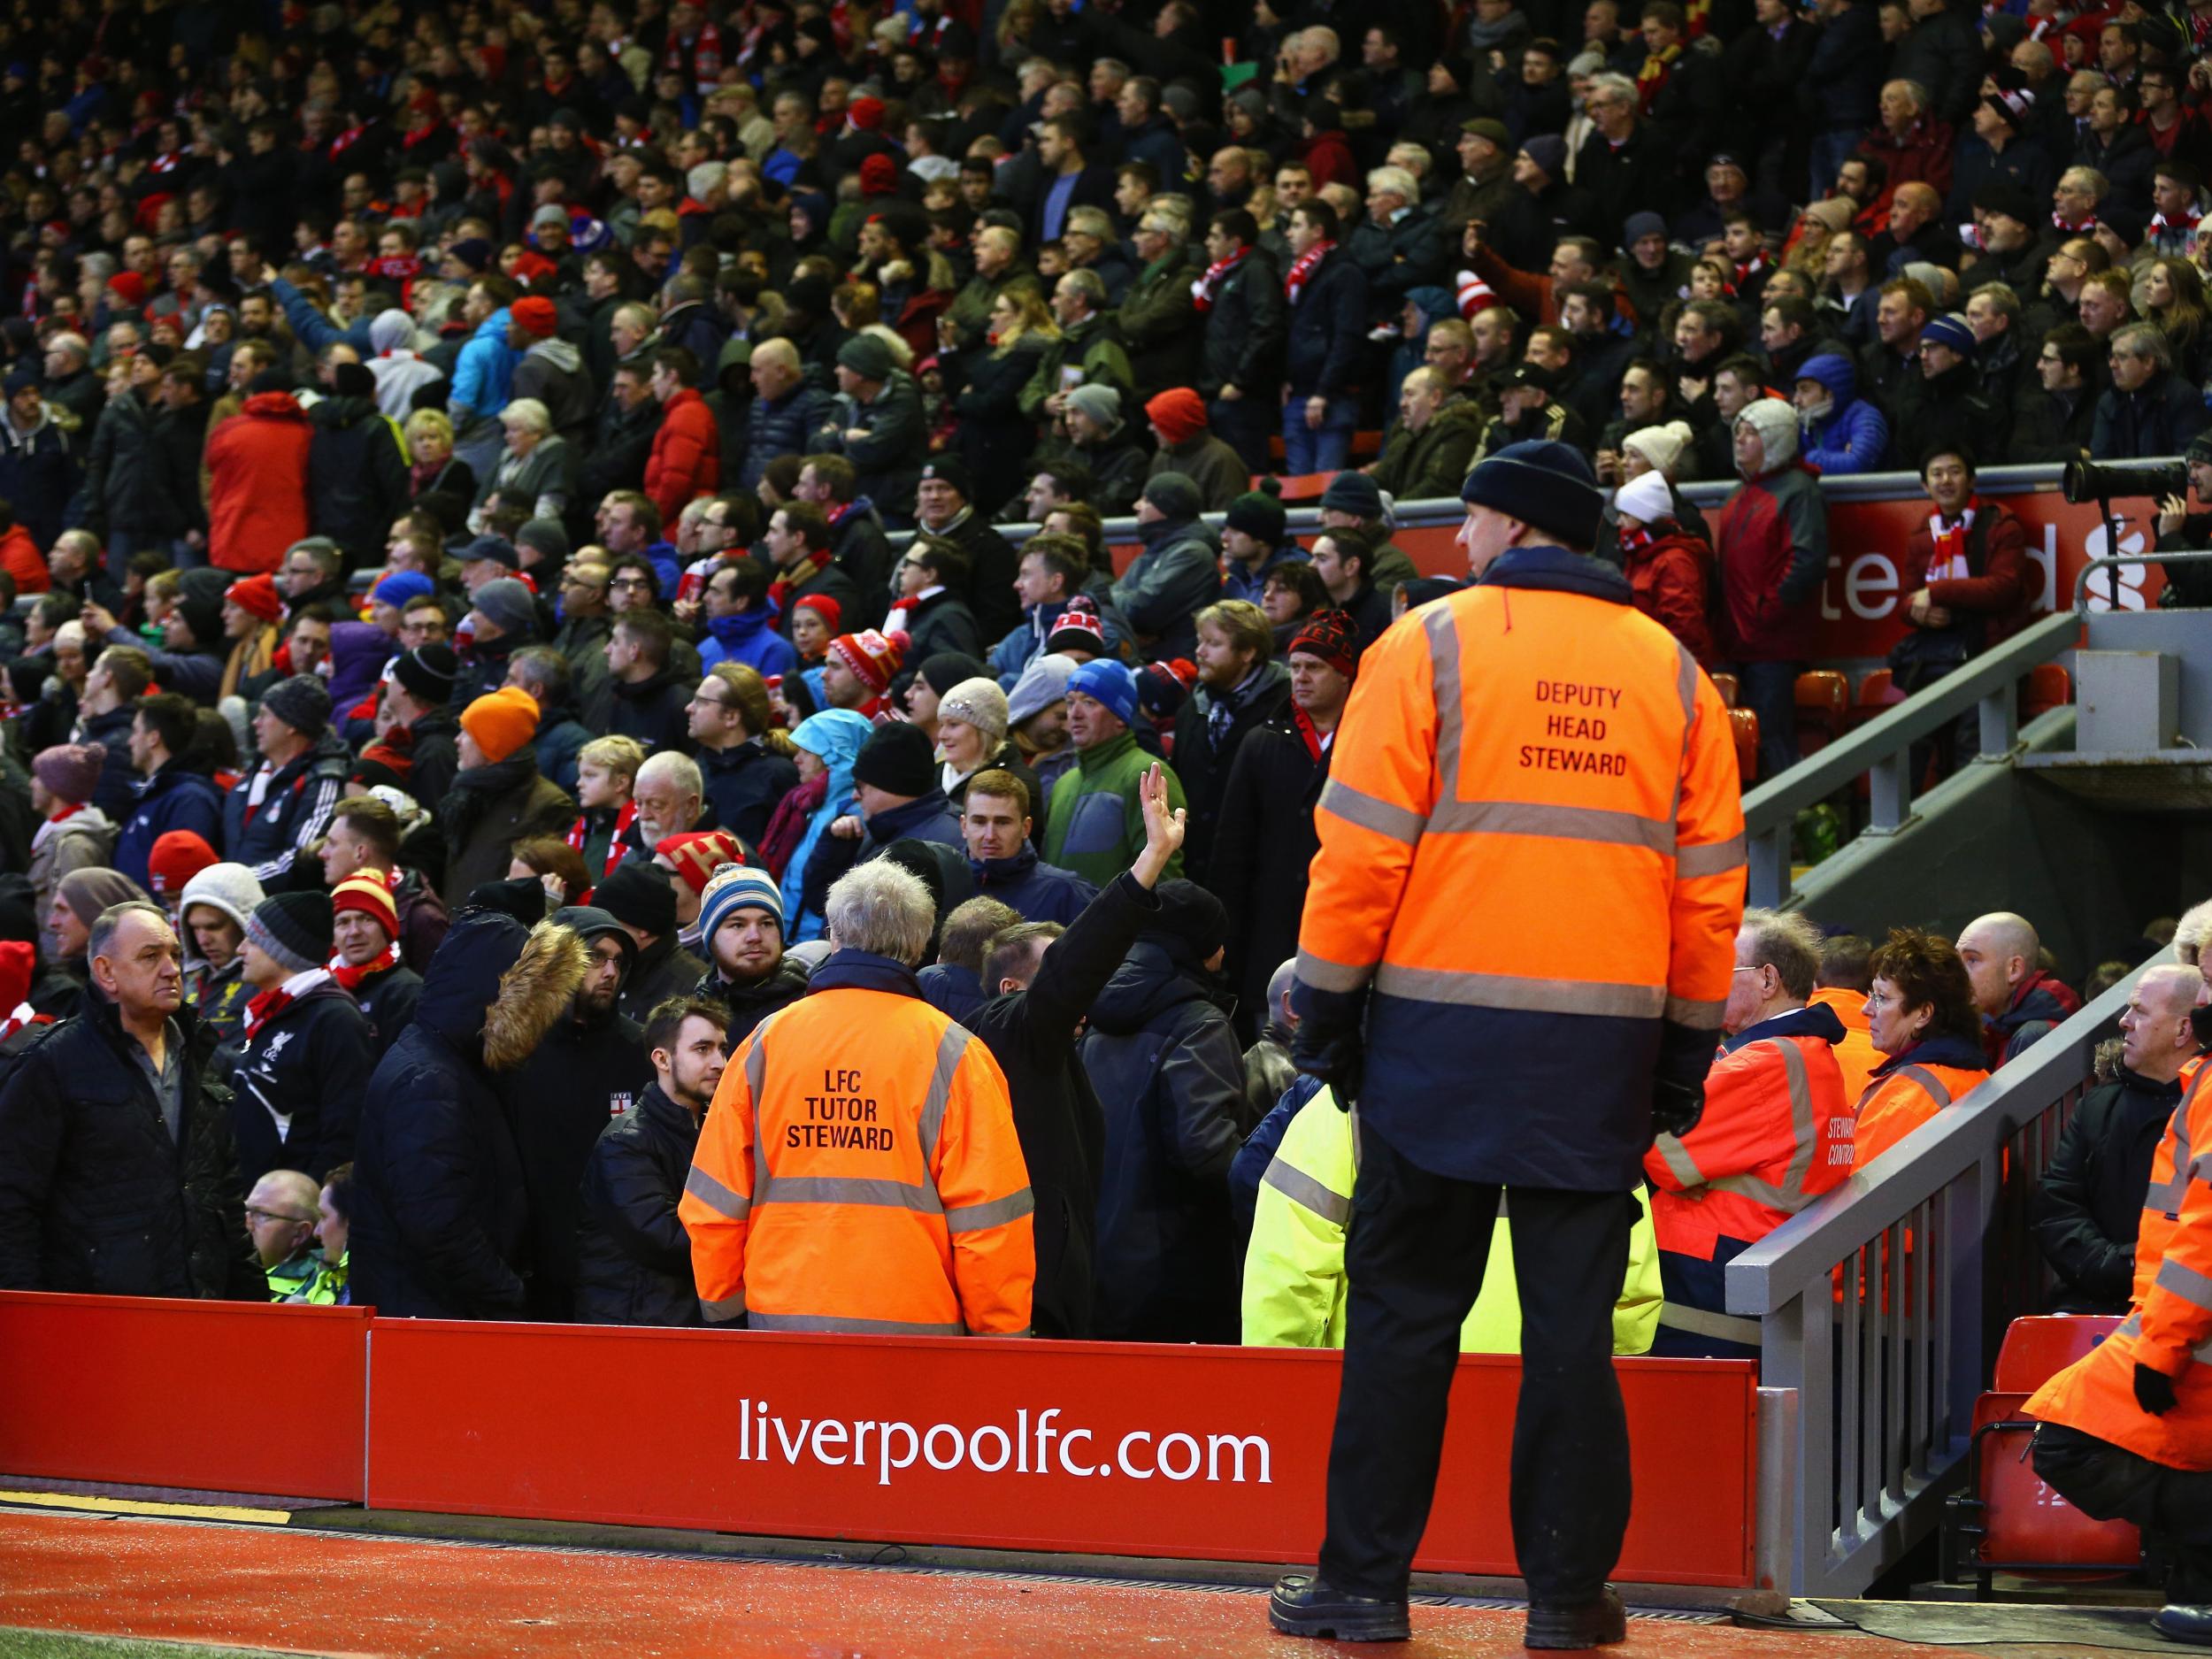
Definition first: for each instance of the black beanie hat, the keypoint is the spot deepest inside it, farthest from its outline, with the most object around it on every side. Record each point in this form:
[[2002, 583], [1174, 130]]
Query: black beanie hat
[[896, 759], [294, 928], [1260, 514], [427, 673], [1541, 483], [1191, 923], [638, 895]]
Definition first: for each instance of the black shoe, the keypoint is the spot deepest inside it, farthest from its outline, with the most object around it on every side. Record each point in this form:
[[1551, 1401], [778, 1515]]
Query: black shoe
[[1308, 1606], [2177, 1622], [1584, 1625]]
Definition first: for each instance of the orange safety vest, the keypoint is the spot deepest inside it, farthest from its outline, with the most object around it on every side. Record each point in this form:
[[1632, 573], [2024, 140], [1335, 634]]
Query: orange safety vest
[[1517, 759], [859, 1171], [1776, 1134], [1897, 1102], [1856, 1053], [2171, 1323]]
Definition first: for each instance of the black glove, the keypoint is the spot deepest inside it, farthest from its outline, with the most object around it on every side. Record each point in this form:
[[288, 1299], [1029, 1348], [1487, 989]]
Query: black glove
[[1676, 1106], [1338, 1059], [2153, 1390]]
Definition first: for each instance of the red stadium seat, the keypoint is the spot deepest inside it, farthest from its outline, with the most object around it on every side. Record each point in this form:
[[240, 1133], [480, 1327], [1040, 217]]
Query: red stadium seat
[[1367, 445], [1307, 486], [1725, 684], [2049, 687], [1824, 700], [1876, 692], [2038, 1348], [2008, 1521], [1746, 724]]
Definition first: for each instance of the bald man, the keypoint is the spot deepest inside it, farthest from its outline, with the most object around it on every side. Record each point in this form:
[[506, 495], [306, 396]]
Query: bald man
[[785, 409], [280, 1216], [2091, 1200], [2019, 1002]]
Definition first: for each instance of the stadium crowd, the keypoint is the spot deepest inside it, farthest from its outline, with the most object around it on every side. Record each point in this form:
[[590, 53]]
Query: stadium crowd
[[472, 703]]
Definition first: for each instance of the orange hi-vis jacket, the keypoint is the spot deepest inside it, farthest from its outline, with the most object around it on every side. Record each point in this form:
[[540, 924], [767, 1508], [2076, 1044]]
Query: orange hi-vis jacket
[[1908, 1089], [859, 1171], [1533, 852], [1856, 1053], [2170, 1327], [1776, 1134]]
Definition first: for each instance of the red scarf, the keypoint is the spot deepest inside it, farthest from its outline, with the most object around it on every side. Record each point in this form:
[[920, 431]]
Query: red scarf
[[787, 825], [578, 834], [1303, 267], [706, 56], [1746, 269], [264, 1008], [1653, 73], [2187, 224], [1946, 559], [799, 575], [1306, 731], [2087, 227], [349, 977], [1202, 291]]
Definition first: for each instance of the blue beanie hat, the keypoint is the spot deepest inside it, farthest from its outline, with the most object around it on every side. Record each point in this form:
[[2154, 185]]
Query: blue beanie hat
[[1109, 682], [398, 586], [735, 888], [1541, 483], [1951, 330]]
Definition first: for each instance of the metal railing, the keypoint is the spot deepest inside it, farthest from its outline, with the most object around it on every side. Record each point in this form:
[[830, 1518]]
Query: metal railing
[[1879, 1307], [1882, 748]]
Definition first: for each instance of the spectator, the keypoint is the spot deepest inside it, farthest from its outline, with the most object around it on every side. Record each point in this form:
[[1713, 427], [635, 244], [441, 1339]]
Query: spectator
[[368, 963], [1268, 1073], [685, 462], [542, 673], [799, 542], [278, 812], [1771, 546], [2089, 1203], [257, 478], [214, 909], [741, 618], [970, 736], [176, 858], [365, 839], [282, 1210], [1345, 560], [650, 696], [1176, 575], [943, 511], [1177, 418], [1256, 540], [1947, 409], [1240, 302], [930, 611], [1843, 432], [1328, 303], [1965, 578], [1430, 450], [744, 758], [633, 1257], [440, 1209], [966, 1264], [1240, 687], [1100, 442], [118, 677], [72, 833], [91, 1202], [38, 464], [2019, 1003], [1921, 1016], [1775, 1135], [1051, 571], [1036, 715], [1670, 570], [875, 422], [356, 471], [1169, 1072], [296, 1079], [895, 783], [1840, 986], [953, 983], [2150, 411], [640, 898], [1096, 826], [1265, 840], [785, 413], [498, 796], [532, 472], [2054, 419], [997, 822]]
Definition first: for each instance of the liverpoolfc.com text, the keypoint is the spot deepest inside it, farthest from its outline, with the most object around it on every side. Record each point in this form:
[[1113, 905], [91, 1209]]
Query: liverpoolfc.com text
[[1038, 1447]]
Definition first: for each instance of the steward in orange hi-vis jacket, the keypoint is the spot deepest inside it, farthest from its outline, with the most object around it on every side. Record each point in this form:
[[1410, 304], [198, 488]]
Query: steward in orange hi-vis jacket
[[859, 1169], [1516, 944], [2127, 1429]]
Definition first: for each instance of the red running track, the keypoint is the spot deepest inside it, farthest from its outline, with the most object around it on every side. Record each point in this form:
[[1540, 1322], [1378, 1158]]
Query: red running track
[[344, 1594]]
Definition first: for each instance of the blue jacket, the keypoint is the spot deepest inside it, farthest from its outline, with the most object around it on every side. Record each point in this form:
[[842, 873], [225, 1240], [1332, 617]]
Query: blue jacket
[[38, 475], [952, 990], [926, 818], [785, 427], [1844, 79], [1328, 329], [1853, 437], [1040, 891], [1242, 583], [172, 799], [748, 637], [484, 373], [315, 331], [1025, 643]]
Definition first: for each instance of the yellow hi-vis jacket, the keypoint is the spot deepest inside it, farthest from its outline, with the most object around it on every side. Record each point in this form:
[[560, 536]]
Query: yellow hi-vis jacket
[[1295, 1288]]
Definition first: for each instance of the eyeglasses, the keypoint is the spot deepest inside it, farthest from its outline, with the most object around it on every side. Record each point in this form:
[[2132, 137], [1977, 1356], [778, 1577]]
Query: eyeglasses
[[631, 582], [272, 1215]]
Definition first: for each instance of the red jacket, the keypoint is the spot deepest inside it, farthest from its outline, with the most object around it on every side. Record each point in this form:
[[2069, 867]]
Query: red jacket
[[687, 458], [1671, 577], [1771, 543], [21, 557], [1997, 593], [1923, 157], [257, 484]]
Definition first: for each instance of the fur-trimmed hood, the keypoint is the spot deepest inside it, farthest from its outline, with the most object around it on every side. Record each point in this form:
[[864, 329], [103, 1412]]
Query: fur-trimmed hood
[[495, 989]]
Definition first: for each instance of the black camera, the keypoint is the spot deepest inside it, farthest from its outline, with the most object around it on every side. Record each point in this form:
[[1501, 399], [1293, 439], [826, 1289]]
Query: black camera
[[2108, 480]]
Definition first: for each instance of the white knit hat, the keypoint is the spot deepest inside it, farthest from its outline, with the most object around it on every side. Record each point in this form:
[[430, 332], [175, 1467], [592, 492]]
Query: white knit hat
[[1645, 498], [230, 889], [1661, 445], [978, 702]]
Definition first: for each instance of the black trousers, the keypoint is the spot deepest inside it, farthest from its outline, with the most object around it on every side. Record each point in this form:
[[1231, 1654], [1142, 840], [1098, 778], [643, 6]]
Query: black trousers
[[1414, 1254], [2106, 1482]]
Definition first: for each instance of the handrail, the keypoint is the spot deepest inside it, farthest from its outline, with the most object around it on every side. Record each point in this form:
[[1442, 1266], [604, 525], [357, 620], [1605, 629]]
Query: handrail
[[2081, 577], [1883, 747], [1991, 480], [1878, 1308]]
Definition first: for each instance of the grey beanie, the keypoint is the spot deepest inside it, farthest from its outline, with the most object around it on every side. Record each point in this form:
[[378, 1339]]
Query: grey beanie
[[1099, 403], [1776, 422], [1043, 683], [507, 605], [1174, 493]]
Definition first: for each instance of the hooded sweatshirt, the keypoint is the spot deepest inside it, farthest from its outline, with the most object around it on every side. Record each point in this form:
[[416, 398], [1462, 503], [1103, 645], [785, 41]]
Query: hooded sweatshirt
[[399, 370]]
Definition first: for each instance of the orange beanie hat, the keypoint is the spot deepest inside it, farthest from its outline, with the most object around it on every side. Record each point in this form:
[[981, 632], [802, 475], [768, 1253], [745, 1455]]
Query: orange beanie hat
[[501, 721]]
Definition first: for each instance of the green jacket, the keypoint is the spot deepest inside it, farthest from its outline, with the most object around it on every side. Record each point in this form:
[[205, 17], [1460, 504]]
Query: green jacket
[[304, 1277], [1161, 327], [1093, 349], [1096, 826], [1295, 1288], [1433, 463], [970, 308]]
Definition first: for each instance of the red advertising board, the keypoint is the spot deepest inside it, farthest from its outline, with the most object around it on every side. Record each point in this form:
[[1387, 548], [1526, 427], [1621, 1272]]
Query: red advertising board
[[215, 1396], [1861, 605], [1193, 1452]]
